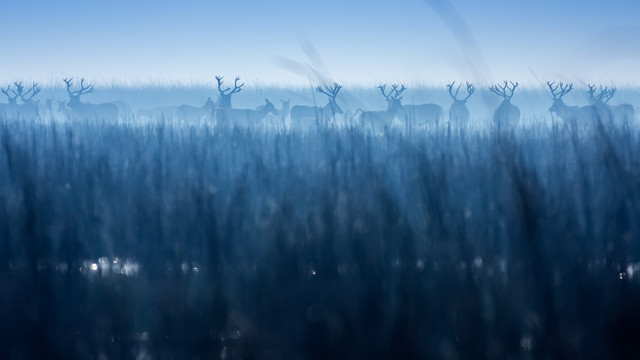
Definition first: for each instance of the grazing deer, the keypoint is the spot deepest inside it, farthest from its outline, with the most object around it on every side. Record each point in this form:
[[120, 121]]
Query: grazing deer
[[506, 115], [224, 101], [378, 121], [196, 114], [458, 112], [320, 115], [245, 117], [106, 111], [419, 114]]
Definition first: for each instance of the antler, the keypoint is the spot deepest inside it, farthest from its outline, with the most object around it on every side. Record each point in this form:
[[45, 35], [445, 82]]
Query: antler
[[236, 87], [6, 92], [382, 87], [34, 91], [331, 92], [502, 89], [564, 89], [83, 89], [470, 90], [605, 93]]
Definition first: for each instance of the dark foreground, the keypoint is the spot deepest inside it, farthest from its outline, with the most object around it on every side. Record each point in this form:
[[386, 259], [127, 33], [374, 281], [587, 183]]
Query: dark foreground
[[168, 242]]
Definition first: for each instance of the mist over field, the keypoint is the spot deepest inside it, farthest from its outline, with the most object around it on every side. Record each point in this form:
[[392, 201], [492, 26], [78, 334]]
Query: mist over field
[[415, 179]]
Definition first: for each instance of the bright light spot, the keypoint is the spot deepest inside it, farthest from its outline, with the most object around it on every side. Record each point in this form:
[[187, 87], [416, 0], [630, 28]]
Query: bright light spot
[[477, 262], [621, 275], [420, 264], [94, 267], [630, 271]]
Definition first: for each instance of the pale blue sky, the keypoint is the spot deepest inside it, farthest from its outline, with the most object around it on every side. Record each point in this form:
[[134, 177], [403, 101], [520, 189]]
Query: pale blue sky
[[359, 42]]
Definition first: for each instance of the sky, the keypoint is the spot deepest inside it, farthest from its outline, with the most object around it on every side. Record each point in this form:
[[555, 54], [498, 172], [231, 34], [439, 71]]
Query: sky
[[286, 42]]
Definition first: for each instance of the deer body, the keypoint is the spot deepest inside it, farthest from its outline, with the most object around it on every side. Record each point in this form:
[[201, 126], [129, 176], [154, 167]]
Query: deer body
[[458, 112], [196, 114], [106, 111], [320, 116], [506, 115], [245, 117]]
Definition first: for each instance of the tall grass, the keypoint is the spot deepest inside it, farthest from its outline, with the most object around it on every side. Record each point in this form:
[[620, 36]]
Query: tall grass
[[176, 241]]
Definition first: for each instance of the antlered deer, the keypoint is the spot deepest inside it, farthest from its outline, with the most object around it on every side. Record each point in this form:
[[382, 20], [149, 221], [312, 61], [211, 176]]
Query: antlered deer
[[506, 115], [458, 112], [379, 120], [572, 115], [321, 116], [224, 101], [421, 114], [87, 111], [622, 114], [28, 109], [602, 111]]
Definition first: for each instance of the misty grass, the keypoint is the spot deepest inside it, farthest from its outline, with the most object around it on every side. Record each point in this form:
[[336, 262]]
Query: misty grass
[[451, 243]]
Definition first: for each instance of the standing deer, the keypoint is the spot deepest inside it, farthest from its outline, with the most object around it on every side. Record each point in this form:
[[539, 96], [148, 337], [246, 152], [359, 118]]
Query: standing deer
[[106, 111], [458, 112], [224, 102], [379, 120], [66, 111], [196, 114], [28, 109], [506, 115], [246, 117], [572, 115], [419, 114], [603, 113], [622, 114], [320, 115]]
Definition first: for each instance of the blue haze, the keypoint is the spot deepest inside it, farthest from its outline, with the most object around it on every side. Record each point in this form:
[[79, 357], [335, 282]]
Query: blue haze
[[359, 42]]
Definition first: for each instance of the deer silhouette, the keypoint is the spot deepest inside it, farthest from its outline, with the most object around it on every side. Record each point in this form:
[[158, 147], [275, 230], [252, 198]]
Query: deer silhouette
[[506, 115], [602, 111], [458, 112], [321, 116], [421, 114], [621, 114], [572, 115], [87, 111], [378, 121], [245, 117], [224, 101], [196, 114], [29, 107]]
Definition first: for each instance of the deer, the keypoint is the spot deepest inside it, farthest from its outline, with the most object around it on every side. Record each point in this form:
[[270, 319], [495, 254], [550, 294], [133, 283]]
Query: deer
[[28, 109], [421, 113], [66, 111], [572, 115], [320, 115], [196, 114], [458, 112], [506, 115], [379, 120], [602, 112], [245, 117], [622, 114], [106, 111], [224, 101]]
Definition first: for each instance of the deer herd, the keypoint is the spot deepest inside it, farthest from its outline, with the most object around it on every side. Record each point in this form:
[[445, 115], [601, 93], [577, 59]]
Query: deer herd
[[21, 104]]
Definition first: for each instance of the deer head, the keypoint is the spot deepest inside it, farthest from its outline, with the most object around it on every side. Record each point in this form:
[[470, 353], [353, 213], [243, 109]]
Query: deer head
[[225, 94], [502, 90], [558, 91], [331, 92], [74, 96], [394, 96], [33, 91], [470, 90], [603, 97], [16, 93]]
